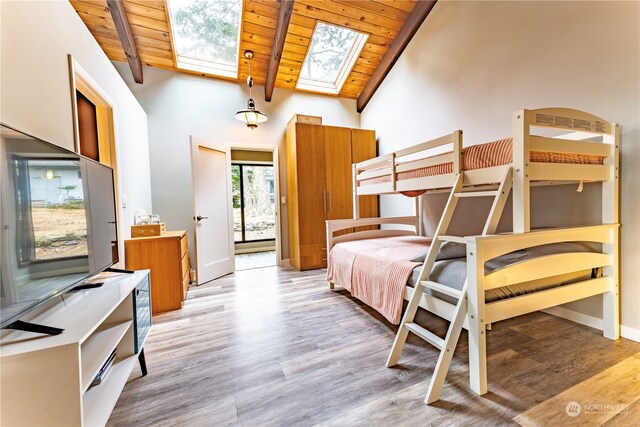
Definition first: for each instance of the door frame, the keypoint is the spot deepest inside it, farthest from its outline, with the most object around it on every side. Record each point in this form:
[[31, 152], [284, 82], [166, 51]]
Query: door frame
[[80, 80], [276, 172], [194, 171], [242, 164]]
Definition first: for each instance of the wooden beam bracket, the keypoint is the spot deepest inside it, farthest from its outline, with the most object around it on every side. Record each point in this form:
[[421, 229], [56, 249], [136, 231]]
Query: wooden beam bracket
[[418, 15], [121, 22], [286, 9]]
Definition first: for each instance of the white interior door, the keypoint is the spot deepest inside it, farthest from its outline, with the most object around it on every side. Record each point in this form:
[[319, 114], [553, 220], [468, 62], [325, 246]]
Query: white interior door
[[212, 214]]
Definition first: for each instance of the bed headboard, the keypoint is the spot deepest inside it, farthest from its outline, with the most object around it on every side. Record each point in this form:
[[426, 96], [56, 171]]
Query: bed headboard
[[334, 226], [584, 129]]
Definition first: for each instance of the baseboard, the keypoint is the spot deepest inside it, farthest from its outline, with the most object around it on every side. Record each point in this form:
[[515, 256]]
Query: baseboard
[[630, 333], [255, 250], [583, 319], [593, 322], [285, 263]]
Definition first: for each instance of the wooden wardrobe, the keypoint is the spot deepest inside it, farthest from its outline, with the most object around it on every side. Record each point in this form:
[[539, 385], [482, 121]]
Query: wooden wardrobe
[[319, 184]]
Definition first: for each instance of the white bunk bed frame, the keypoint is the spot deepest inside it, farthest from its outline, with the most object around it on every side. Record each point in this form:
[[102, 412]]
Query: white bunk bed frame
[[476, 314]]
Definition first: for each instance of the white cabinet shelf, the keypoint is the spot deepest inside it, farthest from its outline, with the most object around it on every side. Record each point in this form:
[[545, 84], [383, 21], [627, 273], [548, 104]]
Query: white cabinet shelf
[[45, 379], [98, 347], [98, 401]]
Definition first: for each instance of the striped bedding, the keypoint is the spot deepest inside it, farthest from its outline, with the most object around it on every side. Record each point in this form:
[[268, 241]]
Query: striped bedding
[[376, 270], [495, 153]]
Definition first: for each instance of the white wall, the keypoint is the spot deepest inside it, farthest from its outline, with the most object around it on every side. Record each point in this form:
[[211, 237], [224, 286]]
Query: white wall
[[35, 93], [179, 105], [472, 64]]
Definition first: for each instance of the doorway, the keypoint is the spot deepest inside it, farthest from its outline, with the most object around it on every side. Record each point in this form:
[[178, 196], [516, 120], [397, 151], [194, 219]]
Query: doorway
[[94, 130], [212, 213], [93, 119], [255, 208]]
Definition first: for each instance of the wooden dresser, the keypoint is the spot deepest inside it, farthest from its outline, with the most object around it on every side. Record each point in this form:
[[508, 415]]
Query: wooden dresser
[[168, 259]]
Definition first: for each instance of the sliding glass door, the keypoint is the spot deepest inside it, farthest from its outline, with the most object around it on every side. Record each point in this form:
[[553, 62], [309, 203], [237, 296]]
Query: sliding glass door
[[254, 209]]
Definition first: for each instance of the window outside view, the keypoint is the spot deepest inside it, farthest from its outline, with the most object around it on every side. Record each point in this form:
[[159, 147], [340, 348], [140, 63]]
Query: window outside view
[[206, 35], [53, 219], [332, 53], [254, 195]]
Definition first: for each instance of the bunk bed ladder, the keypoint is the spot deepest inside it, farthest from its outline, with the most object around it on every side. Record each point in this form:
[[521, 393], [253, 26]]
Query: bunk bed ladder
[[448, 344]]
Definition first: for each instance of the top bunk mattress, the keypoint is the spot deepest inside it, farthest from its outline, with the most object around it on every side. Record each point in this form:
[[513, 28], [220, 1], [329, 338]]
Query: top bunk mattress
[[490, 154]]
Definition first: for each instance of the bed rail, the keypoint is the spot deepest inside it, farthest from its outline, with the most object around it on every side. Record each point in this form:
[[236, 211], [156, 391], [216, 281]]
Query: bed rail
[[389, 165], [543, 267], [480, 313], [346, 224]]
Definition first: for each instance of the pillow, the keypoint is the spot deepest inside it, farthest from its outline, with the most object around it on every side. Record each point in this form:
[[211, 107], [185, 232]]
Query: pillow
[[448, 250]]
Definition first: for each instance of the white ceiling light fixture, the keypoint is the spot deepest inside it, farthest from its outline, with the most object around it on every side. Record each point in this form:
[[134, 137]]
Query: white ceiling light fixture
[[250, 115]]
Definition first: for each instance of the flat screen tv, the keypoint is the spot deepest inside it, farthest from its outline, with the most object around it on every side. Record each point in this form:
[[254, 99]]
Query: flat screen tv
[[58, 219]]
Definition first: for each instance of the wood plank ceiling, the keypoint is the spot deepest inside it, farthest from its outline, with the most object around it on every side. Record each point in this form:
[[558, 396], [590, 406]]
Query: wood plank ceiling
[[383, 20]]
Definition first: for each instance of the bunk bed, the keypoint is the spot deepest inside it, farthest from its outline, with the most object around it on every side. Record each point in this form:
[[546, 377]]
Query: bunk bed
[[553, 145]]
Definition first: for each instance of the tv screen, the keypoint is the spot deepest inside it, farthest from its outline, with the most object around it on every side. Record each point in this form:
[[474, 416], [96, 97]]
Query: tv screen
[[58, 219]]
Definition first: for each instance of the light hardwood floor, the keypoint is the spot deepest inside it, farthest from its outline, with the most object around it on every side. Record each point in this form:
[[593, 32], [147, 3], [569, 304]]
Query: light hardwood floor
[[276, 347], [255, 260]]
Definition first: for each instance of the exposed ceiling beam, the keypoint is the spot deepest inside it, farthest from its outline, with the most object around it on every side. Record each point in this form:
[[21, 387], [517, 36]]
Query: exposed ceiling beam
[[418, 15], [286, 8], [121, 22]]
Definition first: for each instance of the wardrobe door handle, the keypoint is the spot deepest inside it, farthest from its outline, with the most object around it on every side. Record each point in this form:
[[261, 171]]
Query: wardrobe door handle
[[324, 201]]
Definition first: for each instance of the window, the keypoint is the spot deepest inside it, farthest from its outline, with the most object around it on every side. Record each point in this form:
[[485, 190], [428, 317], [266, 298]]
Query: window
[[51, 219], [333, 52], [254, 209], [206, 35]]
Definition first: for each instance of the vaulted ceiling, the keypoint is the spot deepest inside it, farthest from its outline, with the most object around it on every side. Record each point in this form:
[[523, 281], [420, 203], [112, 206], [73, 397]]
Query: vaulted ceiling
[[277, 31]]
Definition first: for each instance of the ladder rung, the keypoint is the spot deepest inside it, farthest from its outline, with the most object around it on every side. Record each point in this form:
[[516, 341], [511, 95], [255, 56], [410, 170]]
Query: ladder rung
[[457, 239], [429, 337], [477, 194], [442, 289]]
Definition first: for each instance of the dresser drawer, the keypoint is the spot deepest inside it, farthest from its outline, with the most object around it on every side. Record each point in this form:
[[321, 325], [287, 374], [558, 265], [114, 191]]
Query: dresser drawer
[[185, 284], [167, 256], [184, 246], [184, 265]]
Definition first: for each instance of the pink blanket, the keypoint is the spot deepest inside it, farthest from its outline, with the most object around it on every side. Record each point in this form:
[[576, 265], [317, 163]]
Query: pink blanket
[[376, 270]]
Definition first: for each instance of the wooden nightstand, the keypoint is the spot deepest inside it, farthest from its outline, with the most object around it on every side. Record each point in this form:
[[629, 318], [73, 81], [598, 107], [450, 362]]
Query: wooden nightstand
[[168, 259]]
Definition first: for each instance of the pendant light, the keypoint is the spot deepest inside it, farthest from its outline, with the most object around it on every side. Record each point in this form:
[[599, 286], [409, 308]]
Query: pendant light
[[250, 115]]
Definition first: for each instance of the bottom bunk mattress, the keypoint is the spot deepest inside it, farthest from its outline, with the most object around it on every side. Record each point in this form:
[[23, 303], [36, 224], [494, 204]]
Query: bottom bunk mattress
[[376, 271], [452, 272]]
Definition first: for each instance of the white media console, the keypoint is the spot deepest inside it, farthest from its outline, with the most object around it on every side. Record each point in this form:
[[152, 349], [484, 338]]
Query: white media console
[[45, 380]]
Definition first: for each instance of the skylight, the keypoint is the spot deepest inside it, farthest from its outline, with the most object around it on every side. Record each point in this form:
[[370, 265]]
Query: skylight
[[206, 35], [333, 52]]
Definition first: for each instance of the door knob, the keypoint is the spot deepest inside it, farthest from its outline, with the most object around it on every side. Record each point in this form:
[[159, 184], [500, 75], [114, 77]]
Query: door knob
[[200, 218]]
